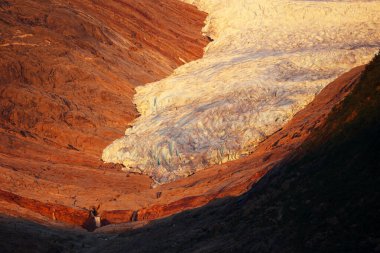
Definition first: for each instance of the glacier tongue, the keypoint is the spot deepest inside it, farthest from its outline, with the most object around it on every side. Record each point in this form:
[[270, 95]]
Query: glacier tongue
[[267, 61]]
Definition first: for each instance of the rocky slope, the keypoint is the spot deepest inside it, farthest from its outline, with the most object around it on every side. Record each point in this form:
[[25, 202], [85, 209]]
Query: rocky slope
[[267, 61], [68, 70]]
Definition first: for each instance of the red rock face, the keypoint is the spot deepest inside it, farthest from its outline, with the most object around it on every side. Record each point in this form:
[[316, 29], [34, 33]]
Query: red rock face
[[68, 69], [52, 211]]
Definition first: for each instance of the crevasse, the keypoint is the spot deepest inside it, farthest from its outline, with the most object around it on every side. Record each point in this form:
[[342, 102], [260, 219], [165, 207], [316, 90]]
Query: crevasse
[[267, 61]]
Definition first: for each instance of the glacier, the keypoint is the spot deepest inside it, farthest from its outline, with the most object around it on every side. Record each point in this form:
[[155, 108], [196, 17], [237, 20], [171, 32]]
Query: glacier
[[267, 61]]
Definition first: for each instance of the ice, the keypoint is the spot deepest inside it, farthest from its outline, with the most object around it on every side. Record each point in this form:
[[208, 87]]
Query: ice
[[269, 58]]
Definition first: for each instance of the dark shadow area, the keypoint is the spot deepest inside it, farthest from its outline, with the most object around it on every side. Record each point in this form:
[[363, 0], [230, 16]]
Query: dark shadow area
[[19, 235]]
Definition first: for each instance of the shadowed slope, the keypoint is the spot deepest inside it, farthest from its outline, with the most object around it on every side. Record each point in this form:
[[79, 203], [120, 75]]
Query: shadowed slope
[[17, 235]]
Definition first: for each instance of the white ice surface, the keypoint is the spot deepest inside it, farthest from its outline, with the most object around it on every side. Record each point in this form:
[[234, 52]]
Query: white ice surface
[[268, 60]]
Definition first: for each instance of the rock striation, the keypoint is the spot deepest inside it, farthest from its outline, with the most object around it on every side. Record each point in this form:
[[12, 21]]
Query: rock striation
[[267, 61], [68, 70]]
